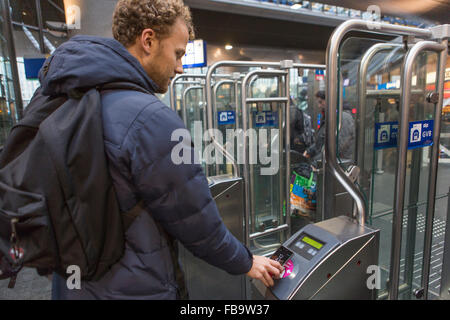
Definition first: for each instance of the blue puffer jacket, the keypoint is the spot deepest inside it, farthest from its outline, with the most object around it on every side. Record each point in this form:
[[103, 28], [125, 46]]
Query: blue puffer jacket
[[137, 135]]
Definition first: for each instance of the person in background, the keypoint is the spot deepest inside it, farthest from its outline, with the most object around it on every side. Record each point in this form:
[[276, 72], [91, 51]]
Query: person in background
[[346, 137]]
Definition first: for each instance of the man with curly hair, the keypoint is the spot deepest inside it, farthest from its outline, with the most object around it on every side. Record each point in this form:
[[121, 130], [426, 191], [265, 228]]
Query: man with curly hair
[[175, 201]]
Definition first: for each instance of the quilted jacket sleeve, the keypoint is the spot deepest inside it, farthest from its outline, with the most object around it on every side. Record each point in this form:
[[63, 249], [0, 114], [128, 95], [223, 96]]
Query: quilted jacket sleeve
[[177, 195]]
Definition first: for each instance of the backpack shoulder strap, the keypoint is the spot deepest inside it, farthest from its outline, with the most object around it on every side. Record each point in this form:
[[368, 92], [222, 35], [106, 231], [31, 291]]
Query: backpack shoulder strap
[[123, 86], [129, 216]]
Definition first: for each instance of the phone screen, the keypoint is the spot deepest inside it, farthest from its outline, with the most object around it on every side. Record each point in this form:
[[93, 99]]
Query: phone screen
[[282, 255]]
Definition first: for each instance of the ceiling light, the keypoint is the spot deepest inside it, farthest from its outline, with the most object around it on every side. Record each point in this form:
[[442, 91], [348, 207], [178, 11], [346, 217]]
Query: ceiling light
[[228, 47], [296, 6]]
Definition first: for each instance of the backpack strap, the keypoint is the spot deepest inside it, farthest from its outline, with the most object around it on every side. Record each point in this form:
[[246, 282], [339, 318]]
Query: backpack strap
[[123, 86], [129, 216]]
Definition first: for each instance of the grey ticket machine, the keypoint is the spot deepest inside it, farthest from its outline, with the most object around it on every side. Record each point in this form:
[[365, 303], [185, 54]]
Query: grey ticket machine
[[326, 260]]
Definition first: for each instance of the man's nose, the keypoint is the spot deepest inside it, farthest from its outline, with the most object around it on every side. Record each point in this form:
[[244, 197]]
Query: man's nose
[[179, 67]]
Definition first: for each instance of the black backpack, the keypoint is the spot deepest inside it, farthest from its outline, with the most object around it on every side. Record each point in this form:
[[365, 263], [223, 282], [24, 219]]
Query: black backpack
[[58, 207], [301, 128]]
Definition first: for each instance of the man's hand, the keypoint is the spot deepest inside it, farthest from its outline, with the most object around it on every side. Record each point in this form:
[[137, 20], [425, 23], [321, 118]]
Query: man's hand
[[306, 155], [264, 268]]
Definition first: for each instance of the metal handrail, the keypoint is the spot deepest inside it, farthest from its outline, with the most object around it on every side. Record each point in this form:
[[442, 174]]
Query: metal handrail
[[227, 63], [309, 66], [247, 183], [332, 81], [211, 111], [174, 81], [184, 99], [362, 91], [399, 193]]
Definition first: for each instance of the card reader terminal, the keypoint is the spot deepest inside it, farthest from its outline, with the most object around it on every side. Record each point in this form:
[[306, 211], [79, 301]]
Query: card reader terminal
[[325, 260]]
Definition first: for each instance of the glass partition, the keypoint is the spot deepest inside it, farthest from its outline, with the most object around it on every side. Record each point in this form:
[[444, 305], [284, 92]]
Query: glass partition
[[370, 89]]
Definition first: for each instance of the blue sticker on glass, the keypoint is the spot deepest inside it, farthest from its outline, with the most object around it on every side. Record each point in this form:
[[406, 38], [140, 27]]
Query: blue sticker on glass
[[226, 117], [420, 134], [386, 135], [265, 119]]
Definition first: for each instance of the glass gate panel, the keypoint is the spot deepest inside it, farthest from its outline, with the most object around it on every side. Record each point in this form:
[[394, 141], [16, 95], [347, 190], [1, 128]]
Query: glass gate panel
[[304, 85], [193, 111], [370, 76], [267, 163], [226, 100]]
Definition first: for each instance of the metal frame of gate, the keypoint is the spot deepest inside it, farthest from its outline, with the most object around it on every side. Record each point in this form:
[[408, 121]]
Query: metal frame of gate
[[440, 33]]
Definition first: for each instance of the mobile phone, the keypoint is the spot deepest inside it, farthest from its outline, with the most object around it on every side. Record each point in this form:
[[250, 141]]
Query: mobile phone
[[282, 255]]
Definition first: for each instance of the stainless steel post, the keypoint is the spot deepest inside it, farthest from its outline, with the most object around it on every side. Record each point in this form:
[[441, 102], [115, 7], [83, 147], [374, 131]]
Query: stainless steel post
[[8, 33], [362, 89], [434, 162], [403, 138], [40, 25], [445, 276]]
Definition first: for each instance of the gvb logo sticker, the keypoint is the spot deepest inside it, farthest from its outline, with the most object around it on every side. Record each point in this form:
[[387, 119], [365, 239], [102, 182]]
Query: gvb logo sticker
[[374, 280], [416, 133], [74, 280], [224, 117], [384, 134], [73, 17]]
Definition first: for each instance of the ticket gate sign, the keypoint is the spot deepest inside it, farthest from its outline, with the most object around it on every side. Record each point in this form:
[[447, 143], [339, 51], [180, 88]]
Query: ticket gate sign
[[266, 119], [386, 135], [420, 134], [226, 117]]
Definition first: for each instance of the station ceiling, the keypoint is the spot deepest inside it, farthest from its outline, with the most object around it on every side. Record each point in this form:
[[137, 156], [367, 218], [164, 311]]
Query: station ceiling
[[435, 11]]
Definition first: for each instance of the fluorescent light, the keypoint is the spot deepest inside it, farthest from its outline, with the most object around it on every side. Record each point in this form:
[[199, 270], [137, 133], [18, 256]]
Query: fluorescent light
[[296, 6], [228, 47]]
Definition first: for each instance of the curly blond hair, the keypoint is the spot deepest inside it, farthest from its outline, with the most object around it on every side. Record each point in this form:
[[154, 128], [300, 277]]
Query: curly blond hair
[[131, 17]]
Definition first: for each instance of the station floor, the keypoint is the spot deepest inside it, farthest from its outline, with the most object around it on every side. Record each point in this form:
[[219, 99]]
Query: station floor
[[29, 286]]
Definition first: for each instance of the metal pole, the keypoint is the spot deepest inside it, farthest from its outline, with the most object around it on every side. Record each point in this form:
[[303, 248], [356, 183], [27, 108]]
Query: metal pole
[[362, 89], [403, 138], [434, 162], [309, 66], [8, 32], [40, 25], [332, 99], [414, 184], [445, 279], [288, 155]]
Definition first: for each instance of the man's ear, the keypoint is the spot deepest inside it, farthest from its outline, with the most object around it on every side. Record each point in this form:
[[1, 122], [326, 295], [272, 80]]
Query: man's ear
[[148, 40]]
